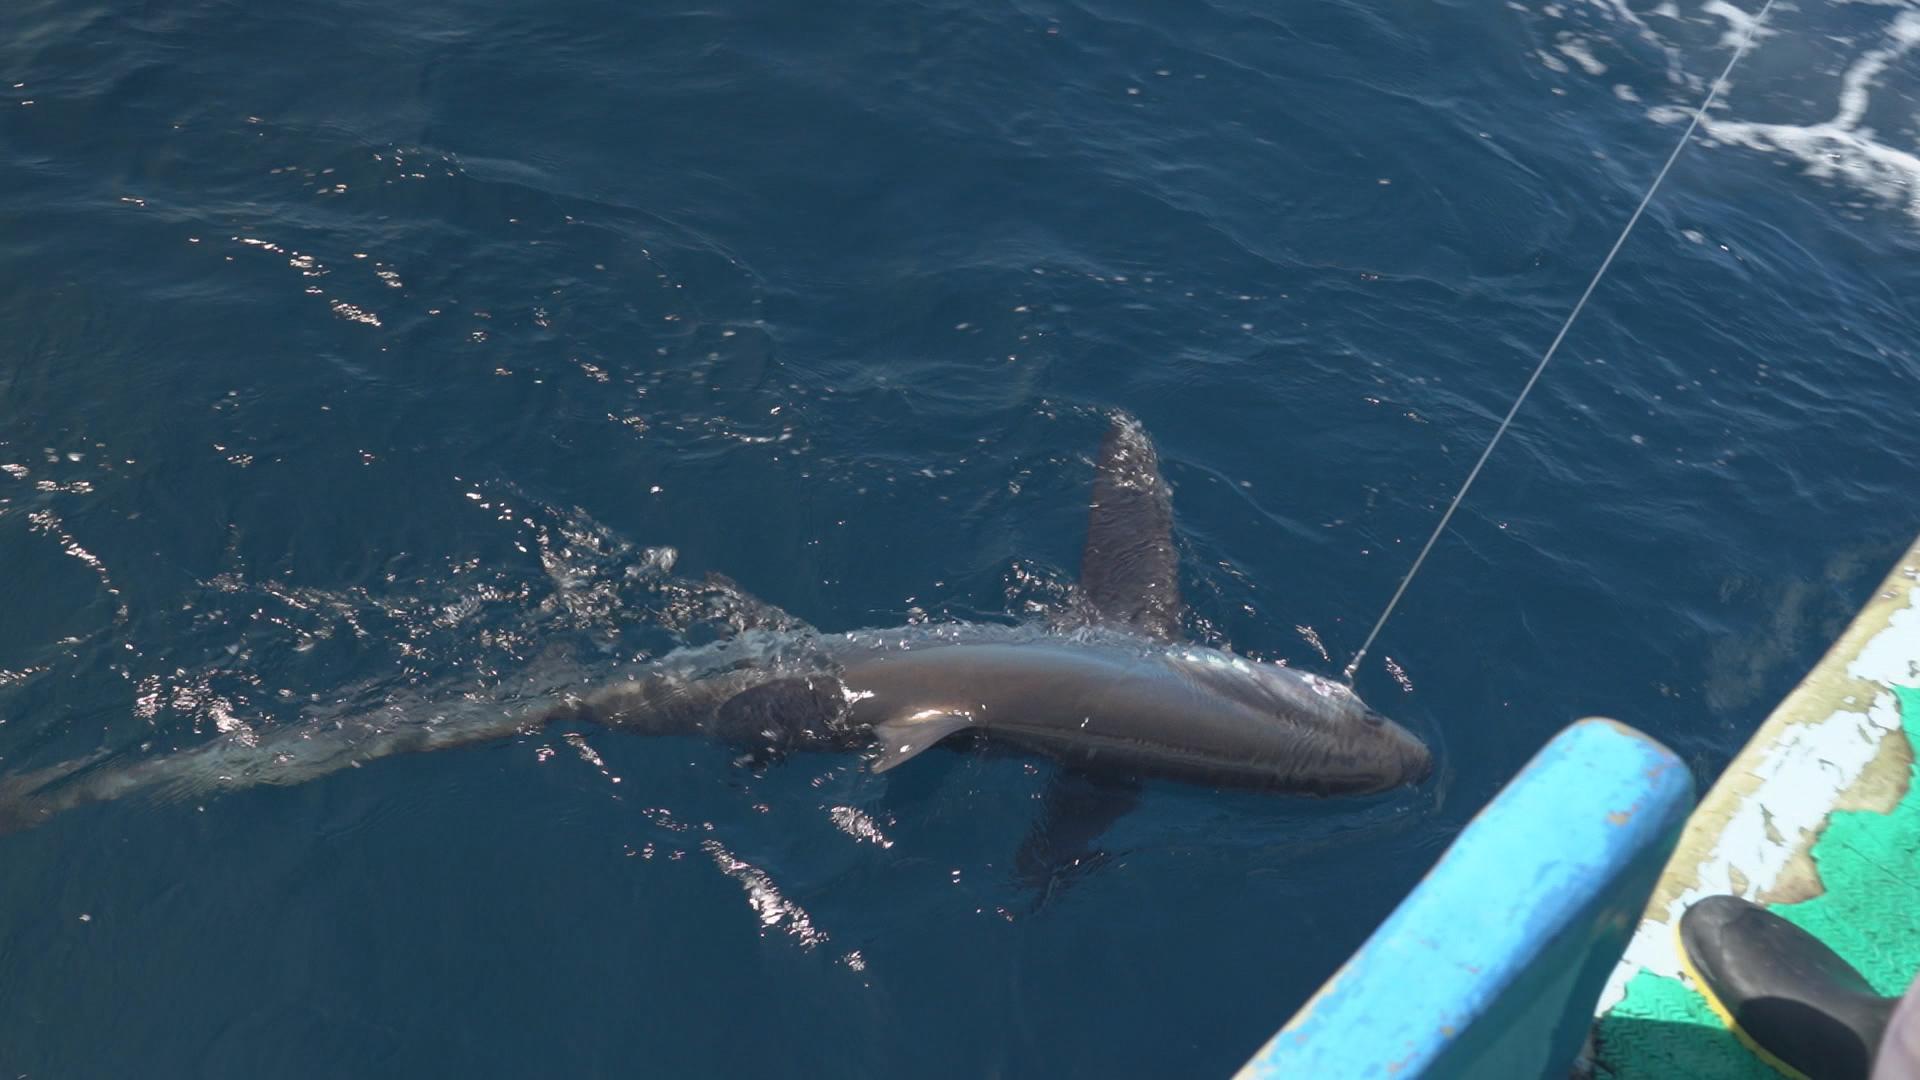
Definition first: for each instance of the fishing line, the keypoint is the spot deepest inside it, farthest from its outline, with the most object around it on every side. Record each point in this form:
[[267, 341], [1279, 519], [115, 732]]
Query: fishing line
[[1547, 357]]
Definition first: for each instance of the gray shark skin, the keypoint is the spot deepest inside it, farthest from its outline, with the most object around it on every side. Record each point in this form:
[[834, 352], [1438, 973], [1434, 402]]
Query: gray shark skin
[[1110, 693]]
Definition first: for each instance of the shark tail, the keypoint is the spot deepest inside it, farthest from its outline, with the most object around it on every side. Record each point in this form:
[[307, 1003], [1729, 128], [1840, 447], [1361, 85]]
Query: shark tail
[[741, 704], [25, 798], [292, 756]]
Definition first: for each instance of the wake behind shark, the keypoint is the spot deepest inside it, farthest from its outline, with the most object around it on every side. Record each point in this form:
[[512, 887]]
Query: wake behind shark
[[1111, 692]]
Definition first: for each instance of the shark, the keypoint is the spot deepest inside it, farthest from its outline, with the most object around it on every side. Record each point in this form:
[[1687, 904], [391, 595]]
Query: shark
[[1112, 691]]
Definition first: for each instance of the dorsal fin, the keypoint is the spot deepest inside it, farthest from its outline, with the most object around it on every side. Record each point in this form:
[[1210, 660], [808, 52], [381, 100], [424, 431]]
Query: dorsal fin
[[1129, 572]]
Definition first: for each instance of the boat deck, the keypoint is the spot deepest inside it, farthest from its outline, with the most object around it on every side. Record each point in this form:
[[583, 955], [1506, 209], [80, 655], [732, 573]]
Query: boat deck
[[1819, 819]]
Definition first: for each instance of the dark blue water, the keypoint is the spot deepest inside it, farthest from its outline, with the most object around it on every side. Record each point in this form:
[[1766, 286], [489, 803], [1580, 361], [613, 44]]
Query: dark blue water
[[359, 353]]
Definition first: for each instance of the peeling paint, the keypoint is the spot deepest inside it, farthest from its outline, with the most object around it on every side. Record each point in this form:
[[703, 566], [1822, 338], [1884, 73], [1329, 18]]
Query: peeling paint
[[1835, 744]]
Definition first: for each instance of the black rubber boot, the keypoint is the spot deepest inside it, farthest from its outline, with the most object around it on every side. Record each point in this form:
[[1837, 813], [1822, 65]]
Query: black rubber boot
[[1789, 997]]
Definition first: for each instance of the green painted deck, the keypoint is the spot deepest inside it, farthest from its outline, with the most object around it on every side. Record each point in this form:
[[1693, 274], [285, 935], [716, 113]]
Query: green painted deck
[[1818, 818]]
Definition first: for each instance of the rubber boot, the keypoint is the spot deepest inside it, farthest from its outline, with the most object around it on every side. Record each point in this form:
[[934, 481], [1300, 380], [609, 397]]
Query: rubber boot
[[1791, 999]]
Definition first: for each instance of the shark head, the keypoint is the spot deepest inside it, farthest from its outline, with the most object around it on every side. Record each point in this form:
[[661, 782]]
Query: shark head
[[1311, 733], [1377, 753]]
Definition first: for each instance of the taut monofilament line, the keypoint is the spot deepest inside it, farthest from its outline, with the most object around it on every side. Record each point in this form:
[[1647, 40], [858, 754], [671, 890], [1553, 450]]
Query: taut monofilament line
[[1547, 357]]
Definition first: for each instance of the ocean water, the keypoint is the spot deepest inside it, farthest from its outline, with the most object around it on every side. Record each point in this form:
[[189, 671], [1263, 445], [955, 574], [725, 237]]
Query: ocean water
[[363, 358]]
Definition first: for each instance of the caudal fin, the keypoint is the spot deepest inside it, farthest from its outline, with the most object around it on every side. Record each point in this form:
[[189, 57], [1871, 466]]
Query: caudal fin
[[290, 756], [30, 798]]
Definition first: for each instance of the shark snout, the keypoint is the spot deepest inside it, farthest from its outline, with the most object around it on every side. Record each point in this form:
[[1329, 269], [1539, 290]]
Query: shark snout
[[1419, 761], [1416, 761], [1413, 760]]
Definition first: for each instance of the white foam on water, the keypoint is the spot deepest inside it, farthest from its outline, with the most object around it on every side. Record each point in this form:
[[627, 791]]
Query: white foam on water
[[1843, 149], [1575, 48], [1740, 22]]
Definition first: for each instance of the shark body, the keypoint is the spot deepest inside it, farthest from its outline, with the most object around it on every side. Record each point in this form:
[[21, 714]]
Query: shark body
[[1112, 693]]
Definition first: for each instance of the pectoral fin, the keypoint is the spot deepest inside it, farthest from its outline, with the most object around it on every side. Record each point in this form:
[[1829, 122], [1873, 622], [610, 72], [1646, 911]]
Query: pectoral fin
[[1077, 809], [906, 736]]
